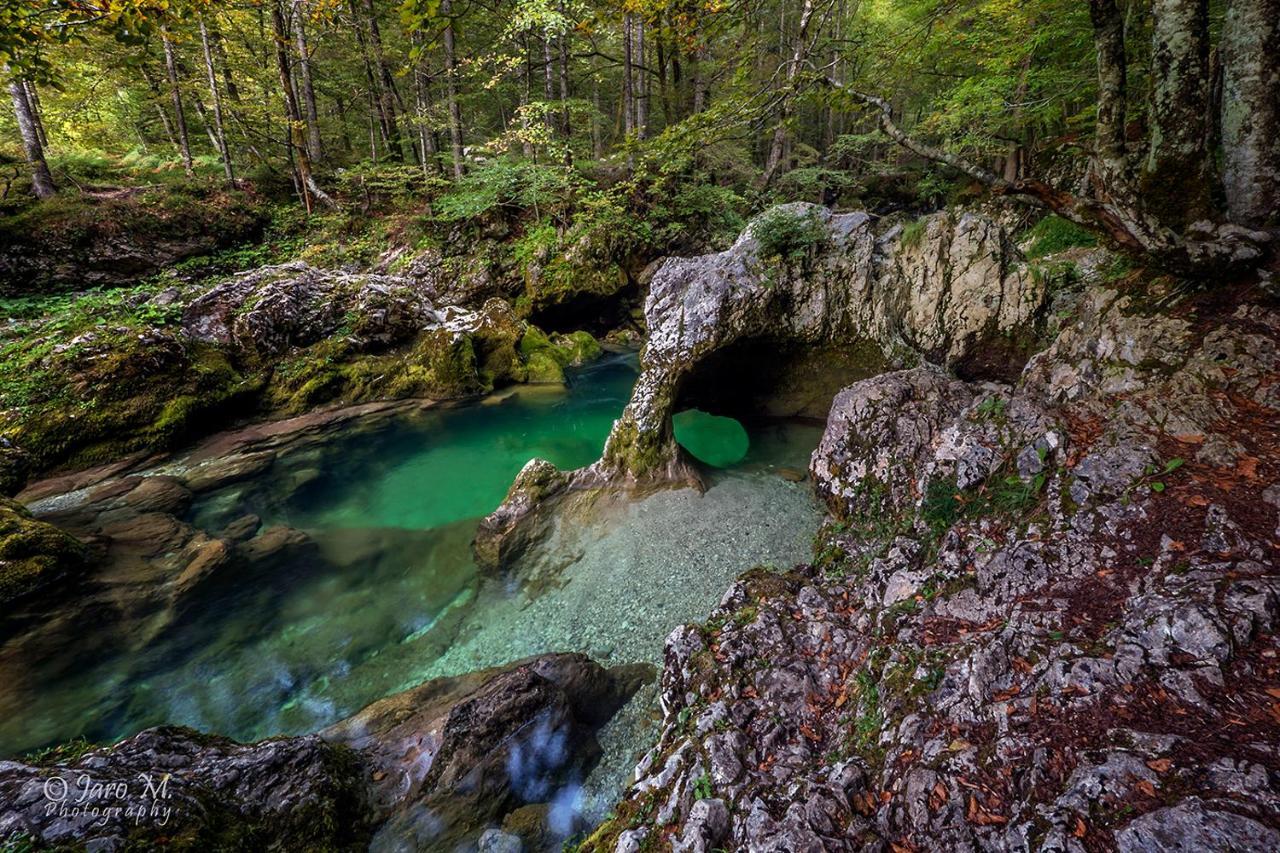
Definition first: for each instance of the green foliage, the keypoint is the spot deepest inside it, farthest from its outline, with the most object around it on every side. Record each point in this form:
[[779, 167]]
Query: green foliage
[[786, 235], [912, 234], [60, 754], [1053, 234], [507, 185], [702, 789]]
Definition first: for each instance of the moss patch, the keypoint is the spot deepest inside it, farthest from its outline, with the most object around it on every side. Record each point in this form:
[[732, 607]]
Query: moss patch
[[33, 554]]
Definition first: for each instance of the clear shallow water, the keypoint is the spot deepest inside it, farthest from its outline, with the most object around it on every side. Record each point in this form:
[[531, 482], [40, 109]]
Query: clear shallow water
[[391, 597]]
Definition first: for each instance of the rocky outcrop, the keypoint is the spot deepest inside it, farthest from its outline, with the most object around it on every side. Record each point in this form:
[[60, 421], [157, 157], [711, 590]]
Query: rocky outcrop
[[1044, 615], [950, 290], [425, 769], [118, 237], [272, 309], [279, 340], [955, 293]]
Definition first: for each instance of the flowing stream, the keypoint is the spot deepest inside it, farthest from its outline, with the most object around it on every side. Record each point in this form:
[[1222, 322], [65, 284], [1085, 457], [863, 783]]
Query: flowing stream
[[392, 597]]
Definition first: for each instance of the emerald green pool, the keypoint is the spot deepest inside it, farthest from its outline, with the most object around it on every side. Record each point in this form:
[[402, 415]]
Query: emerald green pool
[[390, 596]]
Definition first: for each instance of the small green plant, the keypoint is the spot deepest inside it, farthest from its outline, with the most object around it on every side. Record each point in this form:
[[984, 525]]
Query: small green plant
[[1054, 234], [992, 408], [62, 753], [912, 234], [788, 236], [702, 788], [1169, 467]]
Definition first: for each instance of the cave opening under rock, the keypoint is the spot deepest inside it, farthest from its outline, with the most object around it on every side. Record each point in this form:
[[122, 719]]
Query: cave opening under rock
[[765, 379]]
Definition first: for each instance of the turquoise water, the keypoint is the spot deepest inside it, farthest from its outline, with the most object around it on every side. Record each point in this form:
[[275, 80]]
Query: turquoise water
[[389, 595]]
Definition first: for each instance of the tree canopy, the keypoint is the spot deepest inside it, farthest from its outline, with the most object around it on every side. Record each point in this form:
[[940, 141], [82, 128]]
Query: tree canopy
[[754, 98]]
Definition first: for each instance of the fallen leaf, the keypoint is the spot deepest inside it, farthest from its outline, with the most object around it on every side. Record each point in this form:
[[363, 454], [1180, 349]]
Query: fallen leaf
[[1160, 765], [1248, 467], [1273, 692], [1080, 829], [1146, 787], [938, 798]]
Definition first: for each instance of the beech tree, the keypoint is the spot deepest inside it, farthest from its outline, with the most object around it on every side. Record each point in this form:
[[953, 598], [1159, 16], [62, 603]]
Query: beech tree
[[1155, 199]]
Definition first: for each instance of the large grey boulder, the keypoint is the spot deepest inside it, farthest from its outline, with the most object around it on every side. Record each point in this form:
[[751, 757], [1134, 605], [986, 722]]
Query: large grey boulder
[[268, 310]]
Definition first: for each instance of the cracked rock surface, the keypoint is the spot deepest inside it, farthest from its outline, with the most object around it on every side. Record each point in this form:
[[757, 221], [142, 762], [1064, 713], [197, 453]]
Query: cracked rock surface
[[1042, 616]]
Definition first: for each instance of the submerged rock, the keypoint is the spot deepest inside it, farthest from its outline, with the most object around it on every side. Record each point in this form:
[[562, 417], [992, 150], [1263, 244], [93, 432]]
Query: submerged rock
[[507, 532], [429, 767], [34, 555]]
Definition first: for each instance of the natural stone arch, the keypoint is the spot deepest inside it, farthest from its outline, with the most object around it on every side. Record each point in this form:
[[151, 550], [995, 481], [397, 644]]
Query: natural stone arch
[[950, 289]]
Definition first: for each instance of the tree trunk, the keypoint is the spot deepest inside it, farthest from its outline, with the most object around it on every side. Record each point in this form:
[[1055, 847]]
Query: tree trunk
[[1251, 111], [305, 86], [293, 115], [37, 111], [1113, 97], [548, 84], [220, 52], [422, 95], [799, 54], [563, 67], [180, 119], [1175, 185], [376, 104], [221, 129], [451, 90], [597, 137], [386, 83], [628, 82], [41, 178], [526, 92], [642, 82]]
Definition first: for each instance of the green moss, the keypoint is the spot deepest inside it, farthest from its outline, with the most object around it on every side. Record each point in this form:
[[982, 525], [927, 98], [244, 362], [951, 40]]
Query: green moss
[[580, 347], [912, 233], [33, 555], [533, 340], [1053, 234], [544, 367]]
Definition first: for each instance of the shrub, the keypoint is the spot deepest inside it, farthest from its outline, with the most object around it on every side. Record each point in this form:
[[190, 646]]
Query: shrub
[[787, 234]]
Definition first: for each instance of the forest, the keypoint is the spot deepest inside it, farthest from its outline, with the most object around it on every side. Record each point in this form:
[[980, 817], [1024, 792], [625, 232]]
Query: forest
[[644, 126]]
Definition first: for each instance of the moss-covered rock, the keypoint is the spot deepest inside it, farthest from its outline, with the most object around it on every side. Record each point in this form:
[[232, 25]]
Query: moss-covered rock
[[33, 554], [14, 465], [127, 393], [78, 241], [580, 347], [545, 358]]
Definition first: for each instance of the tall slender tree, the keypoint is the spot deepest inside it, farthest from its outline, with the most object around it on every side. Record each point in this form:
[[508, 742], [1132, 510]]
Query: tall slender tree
[[306, 88], [175, 93], [220, 127], [41, 178]]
